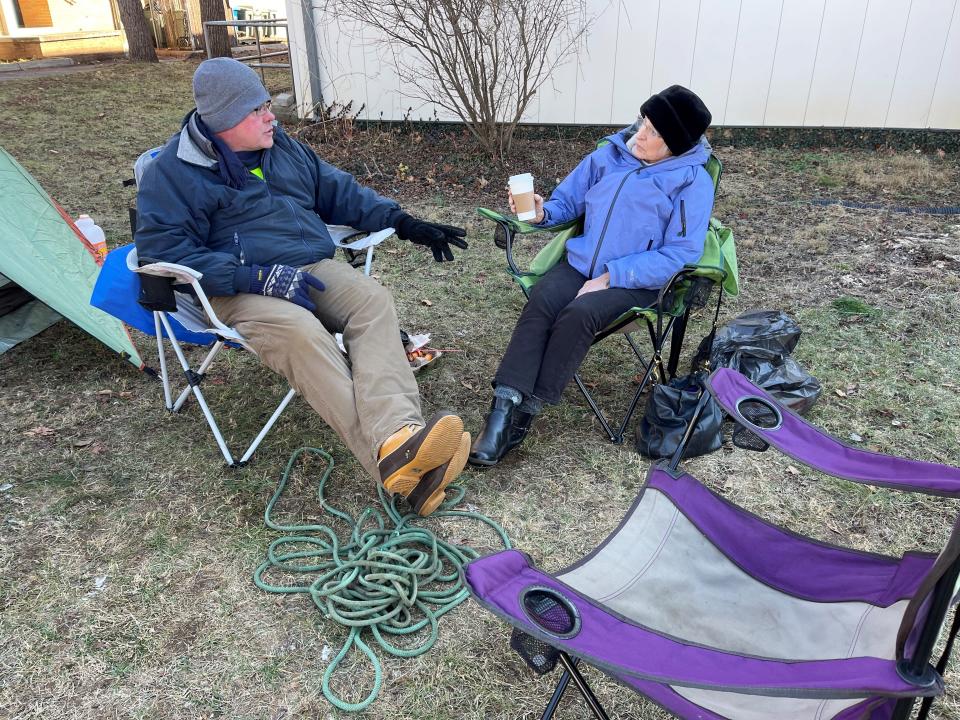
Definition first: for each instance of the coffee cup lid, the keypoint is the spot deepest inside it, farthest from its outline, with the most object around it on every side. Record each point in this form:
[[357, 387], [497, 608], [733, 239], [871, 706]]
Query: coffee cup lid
[[521, 177]]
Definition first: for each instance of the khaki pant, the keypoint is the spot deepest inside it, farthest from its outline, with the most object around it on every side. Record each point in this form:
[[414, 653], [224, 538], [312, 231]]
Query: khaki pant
[[365, 398]]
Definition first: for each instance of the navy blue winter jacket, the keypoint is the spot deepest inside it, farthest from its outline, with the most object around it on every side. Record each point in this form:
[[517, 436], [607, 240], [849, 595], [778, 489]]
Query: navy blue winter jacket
[[188, 215], [642, 222]]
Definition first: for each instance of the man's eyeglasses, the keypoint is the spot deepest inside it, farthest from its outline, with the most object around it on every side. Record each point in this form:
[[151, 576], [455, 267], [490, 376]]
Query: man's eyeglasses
[[641, 121], [262, 110]]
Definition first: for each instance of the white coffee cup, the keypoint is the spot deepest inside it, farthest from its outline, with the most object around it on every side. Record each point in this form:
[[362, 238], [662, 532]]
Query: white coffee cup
[[521, 187]]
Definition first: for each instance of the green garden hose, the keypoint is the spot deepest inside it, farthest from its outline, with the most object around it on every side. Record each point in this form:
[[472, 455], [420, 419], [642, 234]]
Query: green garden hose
[[395, 580]]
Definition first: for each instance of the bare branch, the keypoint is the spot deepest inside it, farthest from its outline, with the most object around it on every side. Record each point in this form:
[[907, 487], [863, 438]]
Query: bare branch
[[481, 60]]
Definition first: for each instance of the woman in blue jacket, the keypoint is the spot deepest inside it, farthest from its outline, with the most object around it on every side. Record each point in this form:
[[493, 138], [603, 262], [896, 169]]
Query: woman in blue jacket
[[646, 200]]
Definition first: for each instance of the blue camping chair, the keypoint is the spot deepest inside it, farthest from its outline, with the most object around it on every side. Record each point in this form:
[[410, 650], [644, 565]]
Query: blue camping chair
[[177, 316], [188, 317]]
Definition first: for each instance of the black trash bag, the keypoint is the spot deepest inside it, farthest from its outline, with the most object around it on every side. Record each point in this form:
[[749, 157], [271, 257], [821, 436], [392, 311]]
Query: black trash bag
[[758, 345], [670, 408]]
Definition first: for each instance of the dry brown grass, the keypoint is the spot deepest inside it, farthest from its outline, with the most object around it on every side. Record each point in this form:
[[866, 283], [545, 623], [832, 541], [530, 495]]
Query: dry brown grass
[[127, 587]]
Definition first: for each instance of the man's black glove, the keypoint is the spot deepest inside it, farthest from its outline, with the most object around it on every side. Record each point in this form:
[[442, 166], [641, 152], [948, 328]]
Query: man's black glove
[[437, 237], [285, 282]]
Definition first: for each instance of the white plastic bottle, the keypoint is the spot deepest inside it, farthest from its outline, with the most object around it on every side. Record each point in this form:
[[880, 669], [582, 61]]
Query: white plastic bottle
[[93, 233]]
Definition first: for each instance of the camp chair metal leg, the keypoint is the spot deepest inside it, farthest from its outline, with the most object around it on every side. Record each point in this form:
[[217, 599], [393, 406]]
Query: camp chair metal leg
[[551, 708], [676, 342], [633, 344], [903, 709], [164, 378], [266, 428], [655, 365], [197, 393], [570, 667], [368, 263], [571, 672], [657, 343], [593, 406], [654, 362], [207, 361]]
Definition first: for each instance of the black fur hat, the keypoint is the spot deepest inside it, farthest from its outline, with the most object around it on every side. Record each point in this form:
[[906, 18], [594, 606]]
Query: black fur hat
[[679, 116]]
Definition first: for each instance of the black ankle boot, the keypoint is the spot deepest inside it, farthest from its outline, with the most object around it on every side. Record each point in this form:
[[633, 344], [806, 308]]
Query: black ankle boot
[[493, 440], [518, 430]]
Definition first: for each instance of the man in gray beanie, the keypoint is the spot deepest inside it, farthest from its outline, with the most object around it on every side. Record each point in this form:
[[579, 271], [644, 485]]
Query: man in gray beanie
[[237, 199]]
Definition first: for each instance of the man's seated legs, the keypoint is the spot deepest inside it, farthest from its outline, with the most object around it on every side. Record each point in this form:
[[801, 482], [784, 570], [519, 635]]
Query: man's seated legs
[[370, 400]]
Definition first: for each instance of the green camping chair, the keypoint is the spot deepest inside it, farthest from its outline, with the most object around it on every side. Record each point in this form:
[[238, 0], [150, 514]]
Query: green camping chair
[[688, 290]]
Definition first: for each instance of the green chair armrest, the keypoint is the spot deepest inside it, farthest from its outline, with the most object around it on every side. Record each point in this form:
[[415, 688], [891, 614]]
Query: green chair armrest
[[546, 258], [523, 228]]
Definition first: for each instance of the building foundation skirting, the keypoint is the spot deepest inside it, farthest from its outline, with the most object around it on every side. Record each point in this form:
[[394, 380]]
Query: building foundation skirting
[[101, 42]]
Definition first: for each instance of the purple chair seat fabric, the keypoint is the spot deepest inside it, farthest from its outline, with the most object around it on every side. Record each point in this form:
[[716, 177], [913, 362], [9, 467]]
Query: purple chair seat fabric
[[713, 612]]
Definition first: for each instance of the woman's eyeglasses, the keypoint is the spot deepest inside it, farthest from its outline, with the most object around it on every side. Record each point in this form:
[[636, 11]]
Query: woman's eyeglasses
[[641, 121]]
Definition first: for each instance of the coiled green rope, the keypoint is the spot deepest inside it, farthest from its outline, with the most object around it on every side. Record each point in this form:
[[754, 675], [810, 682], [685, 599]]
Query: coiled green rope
[[381, 577]]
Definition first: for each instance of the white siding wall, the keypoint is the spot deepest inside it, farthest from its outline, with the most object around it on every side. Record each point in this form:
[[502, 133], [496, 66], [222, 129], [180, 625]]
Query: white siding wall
[[838, 63]]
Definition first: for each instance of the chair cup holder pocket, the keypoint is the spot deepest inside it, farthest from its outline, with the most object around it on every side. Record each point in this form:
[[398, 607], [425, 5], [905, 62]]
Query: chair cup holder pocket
[[156, 293], [550, 611], [755, 413]]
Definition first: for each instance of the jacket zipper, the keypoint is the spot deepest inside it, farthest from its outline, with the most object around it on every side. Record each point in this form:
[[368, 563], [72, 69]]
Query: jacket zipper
[[683, 219], [236, 241], [596, 253], [293, 212]]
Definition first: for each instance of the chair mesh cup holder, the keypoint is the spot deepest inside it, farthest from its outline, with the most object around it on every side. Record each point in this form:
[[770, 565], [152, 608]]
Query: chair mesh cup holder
[[500, 237], [553, 614], [698, 295], [550, 611], [538, 655], [759, 414]]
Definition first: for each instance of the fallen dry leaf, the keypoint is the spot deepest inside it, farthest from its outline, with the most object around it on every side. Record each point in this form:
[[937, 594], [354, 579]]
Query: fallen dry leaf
[[82, 442], [426, 302], [840, 392], [41, 431]]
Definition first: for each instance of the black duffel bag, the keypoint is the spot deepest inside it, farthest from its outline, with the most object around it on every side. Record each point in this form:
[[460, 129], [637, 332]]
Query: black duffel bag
[[670, 408]]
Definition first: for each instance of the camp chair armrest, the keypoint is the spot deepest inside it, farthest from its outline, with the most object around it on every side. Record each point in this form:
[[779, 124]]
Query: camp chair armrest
[[180, 273], [794, 436], [343, 237], [184, 275], [510, 227]]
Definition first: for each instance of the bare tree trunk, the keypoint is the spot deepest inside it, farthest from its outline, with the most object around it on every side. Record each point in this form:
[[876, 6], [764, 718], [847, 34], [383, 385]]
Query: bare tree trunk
[[219, 45], [139, 38]]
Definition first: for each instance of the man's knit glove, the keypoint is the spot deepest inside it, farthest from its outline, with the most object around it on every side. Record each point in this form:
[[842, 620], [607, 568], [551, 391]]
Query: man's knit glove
[[285, 282], [437, 237]]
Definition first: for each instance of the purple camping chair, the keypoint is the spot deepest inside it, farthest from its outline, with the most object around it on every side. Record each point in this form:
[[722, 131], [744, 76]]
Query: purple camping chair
[[713, 613]]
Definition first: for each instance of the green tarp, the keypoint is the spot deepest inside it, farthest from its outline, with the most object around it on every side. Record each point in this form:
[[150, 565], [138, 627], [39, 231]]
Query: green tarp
[[43, 254]]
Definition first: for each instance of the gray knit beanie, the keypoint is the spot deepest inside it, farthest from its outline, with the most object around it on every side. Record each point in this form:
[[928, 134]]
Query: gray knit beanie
[[226, 91]]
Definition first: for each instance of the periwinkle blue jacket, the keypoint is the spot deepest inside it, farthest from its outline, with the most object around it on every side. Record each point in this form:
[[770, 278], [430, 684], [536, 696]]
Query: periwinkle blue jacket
[[187, 214], [642, 222]]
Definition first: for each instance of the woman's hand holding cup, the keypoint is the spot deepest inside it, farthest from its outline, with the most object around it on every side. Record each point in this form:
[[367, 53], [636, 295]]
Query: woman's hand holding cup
[[537, 206]]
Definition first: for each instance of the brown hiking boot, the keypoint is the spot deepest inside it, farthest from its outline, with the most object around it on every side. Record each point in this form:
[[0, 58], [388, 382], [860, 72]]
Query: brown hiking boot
[[431, 491], [411, 452]]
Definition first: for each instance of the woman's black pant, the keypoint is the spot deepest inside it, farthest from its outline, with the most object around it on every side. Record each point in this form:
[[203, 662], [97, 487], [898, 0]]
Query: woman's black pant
[[556, 329]]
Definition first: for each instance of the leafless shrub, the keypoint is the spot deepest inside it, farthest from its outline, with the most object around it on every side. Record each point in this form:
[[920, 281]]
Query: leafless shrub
[[482, 60]]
